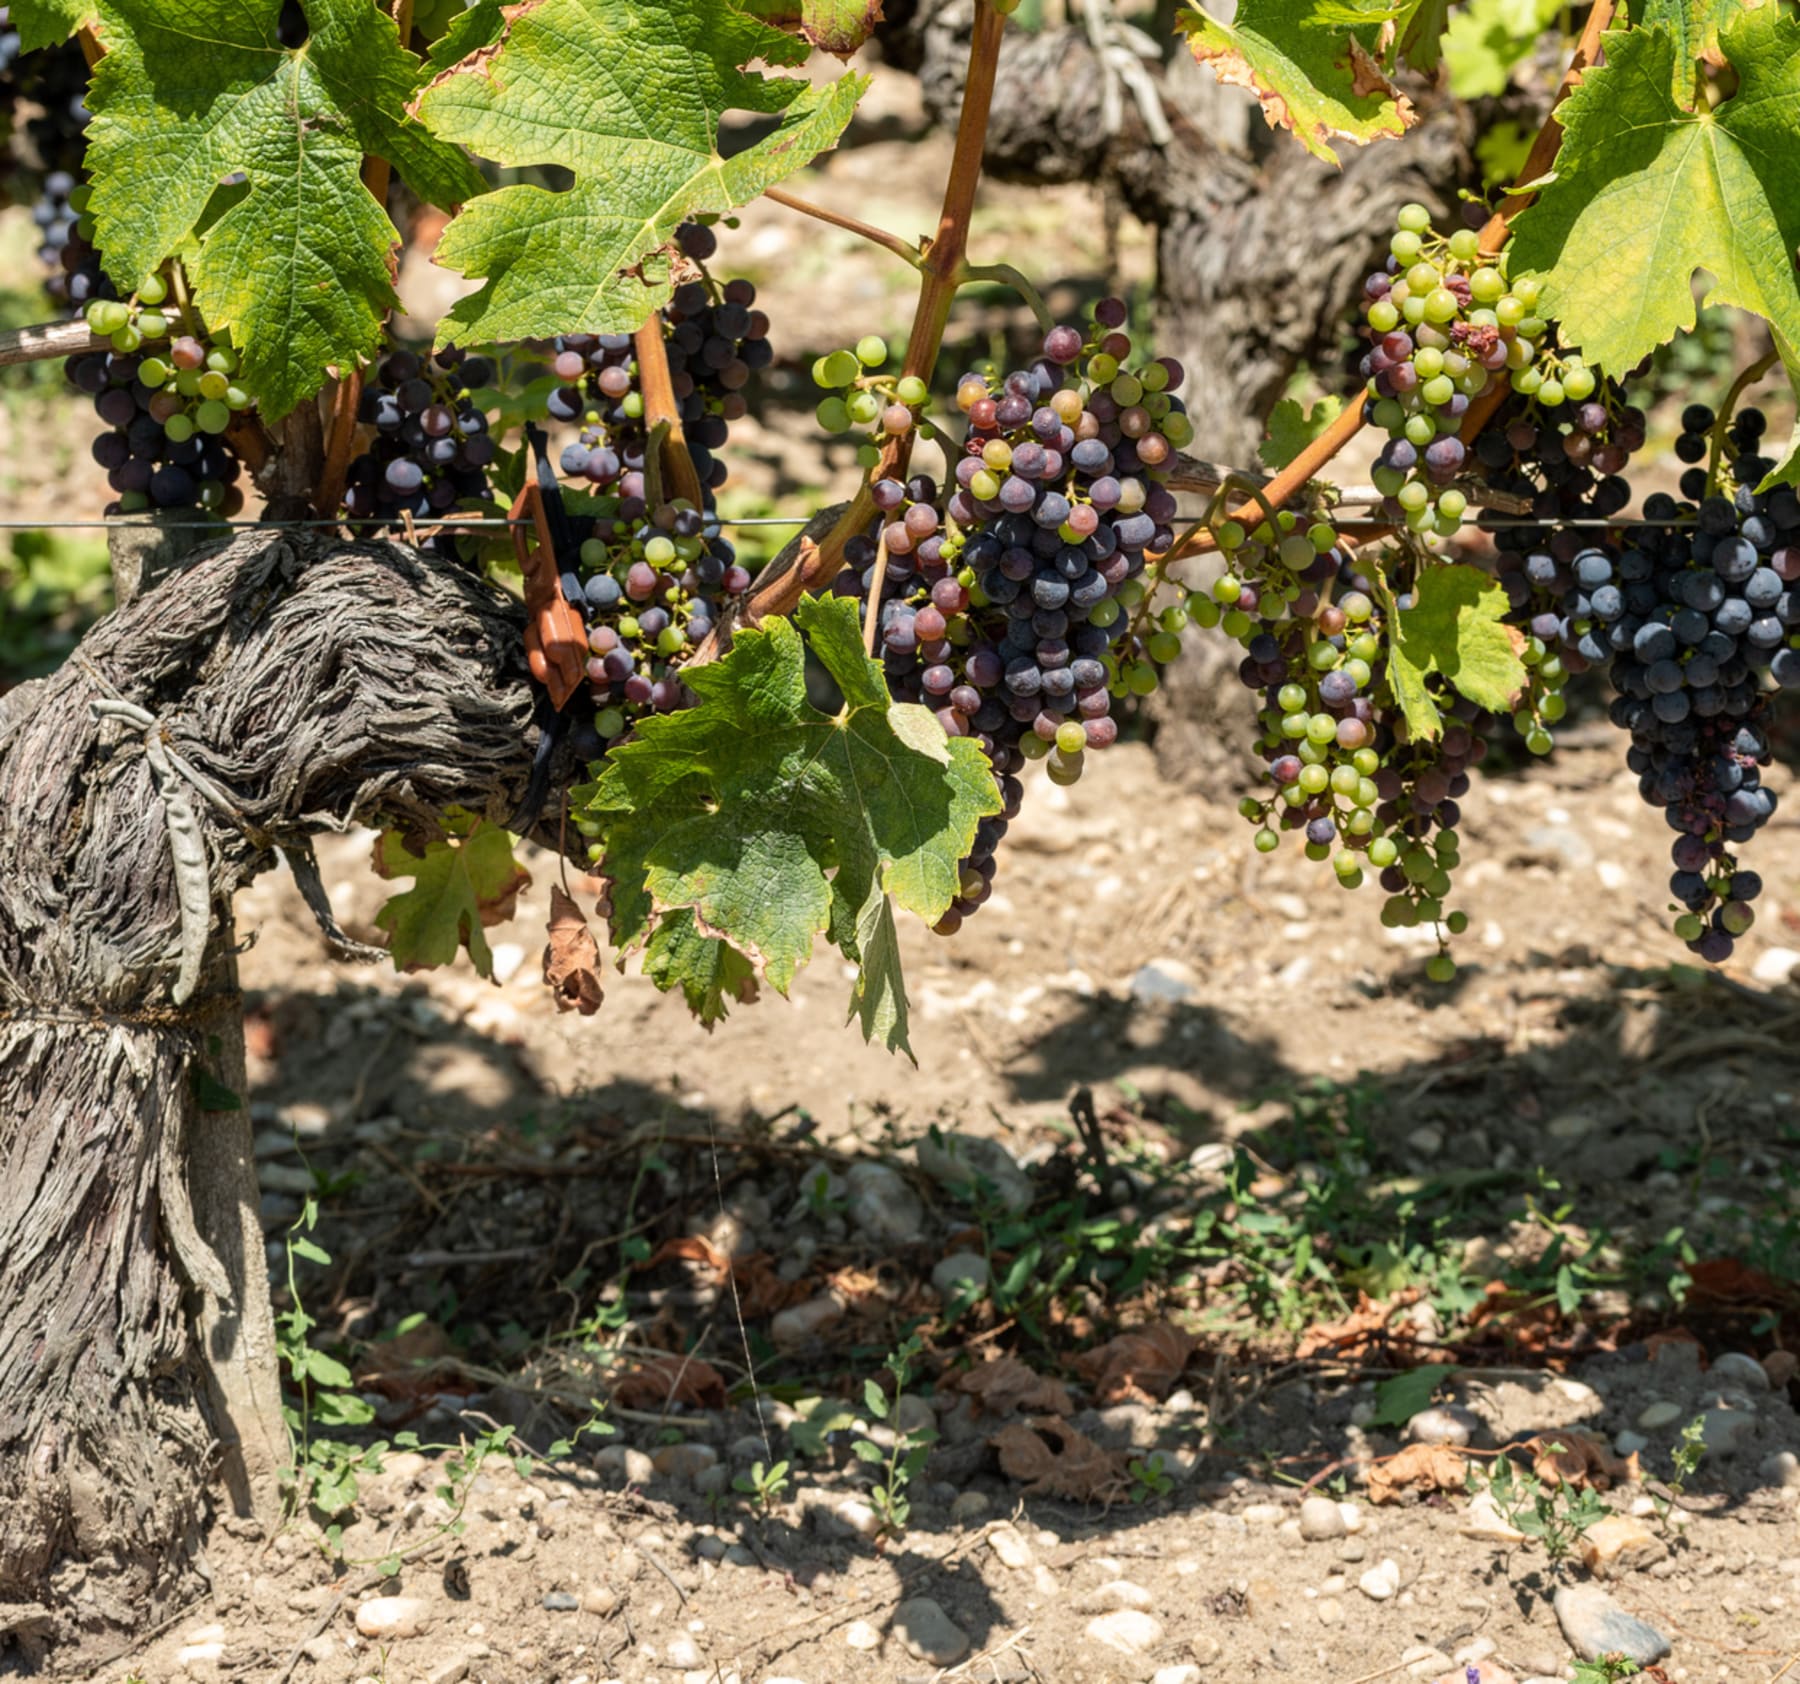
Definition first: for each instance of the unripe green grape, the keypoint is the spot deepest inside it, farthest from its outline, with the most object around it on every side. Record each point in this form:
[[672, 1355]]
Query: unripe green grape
[[1204, 611], [236, 398], [1390, 415], [1367, 795], [1360, 822], [1456, 923], [1318, 850], [1102, 368], [105, 316], [1465, 245], [1153, 377], [1321, 728], [1103, 614], [1178, 430], [1291, 698], [1415, 494], [1267, 841], [1428, 909], [1527, 381], [863, 407], [1349, 873], [1439, 391], [1367, 762], [1423, 277], [178, 429], [127, 340], [670, 639], [1033, 747], [1533, 327], [1315, 780], [1446, 526], [1440, 967], [1391, 911], [983, 486], [1344, 780], [871, 350], [1358, 670], [1406, 246], [213, 385], [1737, 917], [1070, 737], [152, 324], [1174, 618], [1413, 217], [1550, 392], [1163, 647], [609, 722], [633, 405], [1509, 310], [152, 289], [1382, 852], [1578, 382], [1310, 753], [1441, 305], [212, 416], [1129, 594], [1387, 480], [1383, 316], [1528, 289], [1428, 362], [1413, 311], [1690, 926], [1553, 707], [153, 371], [1236, 622], [1321, 657], [1539, 741], [1420, 430], [1126, 390], [1141, 679]]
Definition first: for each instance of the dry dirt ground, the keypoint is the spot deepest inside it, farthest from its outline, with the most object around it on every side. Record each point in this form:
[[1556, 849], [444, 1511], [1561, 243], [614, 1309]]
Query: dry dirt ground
[[480, 1161]]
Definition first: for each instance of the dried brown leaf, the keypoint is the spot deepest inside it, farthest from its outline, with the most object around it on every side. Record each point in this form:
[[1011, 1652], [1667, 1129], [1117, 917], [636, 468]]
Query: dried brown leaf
[[1140, 1366], [410, 1366], [1363, 1332], [1422, 1467], [1005, 1386], [1053, 1460], [669, 1380], [572, 958], [1580, 1459]]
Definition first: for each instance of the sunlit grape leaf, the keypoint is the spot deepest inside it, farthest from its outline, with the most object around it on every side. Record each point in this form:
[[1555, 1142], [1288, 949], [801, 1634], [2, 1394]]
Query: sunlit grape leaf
[[466, 32], [43, 23], [1487, 38], [1693, 25], [1454, 629], [878, 996], [628, 96], [1321, 80], [297, 269], [766, 819], [833, 26], [1292, 427], [459, 885], [1646, 193], [710, 973]]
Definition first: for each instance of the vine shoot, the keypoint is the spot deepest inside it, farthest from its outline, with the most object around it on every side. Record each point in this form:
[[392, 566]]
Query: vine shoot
[[480, 591]]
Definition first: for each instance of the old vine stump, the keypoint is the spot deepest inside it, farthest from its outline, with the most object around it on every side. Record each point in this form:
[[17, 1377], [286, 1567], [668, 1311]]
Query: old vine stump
[[313, 685]]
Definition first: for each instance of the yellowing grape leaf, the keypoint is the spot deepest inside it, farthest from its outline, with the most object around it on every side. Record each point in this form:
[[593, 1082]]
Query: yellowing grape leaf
[[1292, 427], [459, 885], [296, 266], [1453, 629], [1409, 29], [1693, 25], [768, 822], [628, 95], [1320, 79], [1645, 194]]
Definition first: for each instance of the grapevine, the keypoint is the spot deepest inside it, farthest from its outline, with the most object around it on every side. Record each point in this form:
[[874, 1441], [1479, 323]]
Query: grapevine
[[1026, 598]]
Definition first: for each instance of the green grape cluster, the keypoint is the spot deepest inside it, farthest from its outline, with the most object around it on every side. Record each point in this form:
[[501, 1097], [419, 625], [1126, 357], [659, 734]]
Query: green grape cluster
[[866, 401]]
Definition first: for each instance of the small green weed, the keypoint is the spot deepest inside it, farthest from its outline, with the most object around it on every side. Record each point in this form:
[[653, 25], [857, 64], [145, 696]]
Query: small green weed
[[1556, 1516], [764, 1486], [1148, 1478], [902, 1460]]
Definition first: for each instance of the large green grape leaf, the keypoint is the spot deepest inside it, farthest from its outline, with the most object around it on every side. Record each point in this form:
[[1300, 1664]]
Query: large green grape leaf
[[628, 95], [1693, 25], [1319, 78], [191, 91], [1646, 193], [1454, 629], [43, 23], [771, 822]]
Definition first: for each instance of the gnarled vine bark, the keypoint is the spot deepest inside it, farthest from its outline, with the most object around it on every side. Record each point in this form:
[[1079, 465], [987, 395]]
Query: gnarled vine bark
[[312, 685]]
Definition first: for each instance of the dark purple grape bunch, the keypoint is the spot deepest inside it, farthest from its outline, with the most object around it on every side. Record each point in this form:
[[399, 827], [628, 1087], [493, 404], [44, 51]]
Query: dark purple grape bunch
[[48, 149], [431, 448], [1697, 611], [1015, 606]]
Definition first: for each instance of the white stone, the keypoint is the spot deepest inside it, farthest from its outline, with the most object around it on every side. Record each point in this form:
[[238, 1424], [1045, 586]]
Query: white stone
[[1115, 1593], [1775, 965], [929, 1633], [1263, 1514], [882, 1205], [1320, 1519], [862, 1635], [1380, 1582], [199, 1654], [1655, 1416], [1355, 1520], [683, 1652], [1129, 1631], [1735, 1368], [959, 1271], [392, 1616], [1012, 1550], [960, 1160], [1184, 1674], [1484, 1520], [799, 1324]]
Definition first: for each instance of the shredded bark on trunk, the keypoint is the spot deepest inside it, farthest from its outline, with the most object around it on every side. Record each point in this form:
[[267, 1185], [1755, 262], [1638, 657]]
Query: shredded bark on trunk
[[317, 686]]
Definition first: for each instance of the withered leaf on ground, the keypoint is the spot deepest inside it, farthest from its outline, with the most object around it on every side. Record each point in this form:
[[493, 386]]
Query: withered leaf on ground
[[1053, 1460], [667, 1380], [1140, 1366], [1579, 1459], [1005, 1386], [572, 957], [1364, 1331], [760, 1290], [410, 1366], [1420, 1467]]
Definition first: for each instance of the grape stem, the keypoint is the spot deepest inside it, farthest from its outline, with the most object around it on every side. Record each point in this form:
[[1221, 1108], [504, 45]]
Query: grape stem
[[851, 224], [1007, 275], [1727, 407], [661, 410], [872, 618]]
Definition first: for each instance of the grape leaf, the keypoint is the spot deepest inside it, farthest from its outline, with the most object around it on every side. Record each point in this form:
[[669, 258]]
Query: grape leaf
[[458, 886], [1454, 629], [1401, 1397], [709, 972], [43, 23], [770, 822], [297, 270], [1292, 427], [1413, 28], [1319, 79], [1646, 193], [833, 26], [628, 95], [1693, 26], [1487, 38]]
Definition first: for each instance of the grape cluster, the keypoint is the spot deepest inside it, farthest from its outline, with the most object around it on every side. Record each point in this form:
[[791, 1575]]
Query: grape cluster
[[1444, 324], [1563, 465], [431, 448], [1012, 601], [1690, 615], [47, 153], [865, 400], [1343, 767], [654, 571]]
